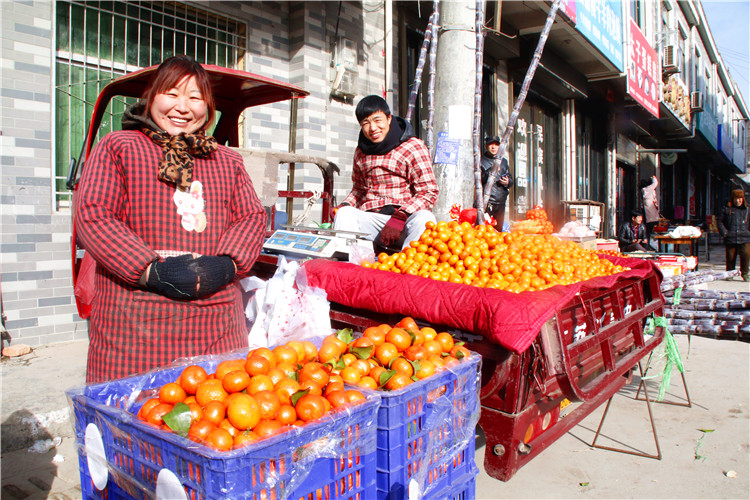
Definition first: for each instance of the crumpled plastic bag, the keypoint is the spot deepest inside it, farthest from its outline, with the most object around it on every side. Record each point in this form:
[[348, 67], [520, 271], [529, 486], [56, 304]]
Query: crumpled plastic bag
[[285, 308], [684, 232]]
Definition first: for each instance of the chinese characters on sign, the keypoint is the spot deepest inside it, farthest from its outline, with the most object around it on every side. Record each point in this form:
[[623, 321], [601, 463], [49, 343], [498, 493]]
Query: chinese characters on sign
[[600, 21], [522, 157], [643, 71]]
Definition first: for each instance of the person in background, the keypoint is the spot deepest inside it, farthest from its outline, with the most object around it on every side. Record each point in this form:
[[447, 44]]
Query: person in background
[[503, 180], [734, 226], [172, 220], [633, 235], [393, 184], [650, 202]]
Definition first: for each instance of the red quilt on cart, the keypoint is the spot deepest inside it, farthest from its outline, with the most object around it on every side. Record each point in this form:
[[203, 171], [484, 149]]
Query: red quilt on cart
[[509, 319]]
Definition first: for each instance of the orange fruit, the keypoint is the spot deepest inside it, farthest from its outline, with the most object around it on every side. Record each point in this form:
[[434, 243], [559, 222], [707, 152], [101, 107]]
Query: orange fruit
[[267, 428], [445, 339], [416, 352], [367, 382], [398, 381], [385, 353], [214, 412], [351, 375], [243, 412], [172, 393], [285, 388], [286, 415], [311, 351], [402, 365], [227, 366], [235, 381], [399, 338], [300, 348], [257, 365], [156, 413], [333, 338], [376, 373], [348, 358], [429, 333], [196, 412], [209, 391], [354, 396], [330, 351], [460, 352], [310, 407], [191, 376], [433, 347], [335, 378], [245, 438], [375, 334], [276, 375], [219, 439], [362, 342], [314, 371], [285, 353], [266, 353], [333, 387], [200, 429], [227, 426], [408, 323], [288, 369], [269, 403], [312, 386], [259, 383], [190, 399], [337, 398], [426, 369], [147, 407]]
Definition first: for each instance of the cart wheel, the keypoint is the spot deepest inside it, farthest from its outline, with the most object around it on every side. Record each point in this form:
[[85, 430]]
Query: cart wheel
[[169, 487], [95, 457], [498, 450]]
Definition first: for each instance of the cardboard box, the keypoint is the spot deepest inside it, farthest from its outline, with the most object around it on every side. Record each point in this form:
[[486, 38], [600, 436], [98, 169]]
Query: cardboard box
[[605, 244]]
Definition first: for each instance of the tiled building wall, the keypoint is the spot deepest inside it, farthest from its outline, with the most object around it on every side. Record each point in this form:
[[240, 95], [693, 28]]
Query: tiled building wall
[[35, 246], [288, 41]]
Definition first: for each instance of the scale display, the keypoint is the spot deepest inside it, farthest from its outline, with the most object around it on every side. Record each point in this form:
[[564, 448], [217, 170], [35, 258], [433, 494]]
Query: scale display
[[291, 242]]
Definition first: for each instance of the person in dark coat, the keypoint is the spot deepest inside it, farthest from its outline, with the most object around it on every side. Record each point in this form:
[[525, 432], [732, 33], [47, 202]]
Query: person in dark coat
[[503, 180], [172, 220], [734, 226], [633, 235]]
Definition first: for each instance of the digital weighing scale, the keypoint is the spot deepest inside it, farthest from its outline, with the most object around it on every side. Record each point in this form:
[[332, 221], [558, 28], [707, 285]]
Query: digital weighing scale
[[314, 242]]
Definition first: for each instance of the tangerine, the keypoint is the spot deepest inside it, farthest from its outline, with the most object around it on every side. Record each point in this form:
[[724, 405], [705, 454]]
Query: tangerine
[[243, 412], [257, 365], [214, 412], [172, 393], [245, 438], [385, 353], [310, 407], [210, 391], [399, 338], [200, 429], [236, 381], [191, 376], [286, 415], [267, 428], [219, 439]]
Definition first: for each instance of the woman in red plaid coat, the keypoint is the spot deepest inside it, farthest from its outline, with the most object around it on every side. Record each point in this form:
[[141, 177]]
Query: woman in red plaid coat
[[173, 221]]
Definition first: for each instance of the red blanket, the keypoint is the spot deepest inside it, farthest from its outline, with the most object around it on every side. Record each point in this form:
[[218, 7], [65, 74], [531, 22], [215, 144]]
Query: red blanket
[[509, 319]]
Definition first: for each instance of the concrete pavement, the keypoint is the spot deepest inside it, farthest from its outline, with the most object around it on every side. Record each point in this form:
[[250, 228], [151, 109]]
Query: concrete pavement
[[39, 459]]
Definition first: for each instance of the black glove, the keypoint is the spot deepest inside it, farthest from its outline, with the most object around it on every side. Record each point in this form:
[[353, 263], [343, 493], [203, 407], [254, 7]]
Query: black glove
[[394, 228], [186, 277], [174, 277], [214, 272]]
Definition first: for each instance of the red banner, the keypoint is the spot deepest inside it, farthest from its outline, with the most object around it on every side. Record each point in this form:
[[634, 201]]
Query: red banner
[[643, 74]]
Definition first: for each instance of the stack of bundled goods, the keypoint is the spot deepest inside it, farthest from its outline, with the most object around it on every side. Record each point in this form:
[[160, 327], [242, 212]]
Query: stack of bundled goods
[[690, 310], [483, 257]]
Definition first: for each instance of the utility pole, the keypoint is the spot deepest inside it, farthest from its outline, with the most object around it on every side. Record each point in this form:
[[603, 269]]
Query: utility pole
[[454, 103]]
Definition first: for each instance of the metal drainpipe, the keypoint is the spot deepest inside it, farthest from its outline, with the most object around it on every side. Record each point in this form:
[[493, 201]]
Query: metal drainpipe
[[388, 28], [292, 149]]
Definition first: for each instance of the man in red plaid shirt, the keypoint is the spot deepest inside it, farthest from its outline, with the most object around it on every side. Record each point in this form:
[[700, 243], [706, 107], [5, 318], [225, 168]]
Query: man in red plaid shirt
[[394, 187]]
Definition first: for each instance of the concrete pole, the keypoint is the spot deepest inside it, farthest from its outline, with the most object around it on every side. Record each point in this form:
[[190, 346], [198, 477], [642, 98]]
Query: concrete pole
[[454, 102]]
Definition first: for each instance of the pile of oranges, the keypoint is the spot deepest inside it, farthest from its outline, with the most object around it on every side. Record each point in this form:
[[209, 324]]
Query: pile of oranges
[[271, 390], [481, 256], [536, 222]]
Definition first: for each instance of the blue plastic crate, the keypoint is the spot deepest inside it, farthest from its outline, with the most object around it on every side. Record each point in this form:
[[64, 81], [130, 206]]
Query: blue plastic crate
[[426, 432], [332, 457]]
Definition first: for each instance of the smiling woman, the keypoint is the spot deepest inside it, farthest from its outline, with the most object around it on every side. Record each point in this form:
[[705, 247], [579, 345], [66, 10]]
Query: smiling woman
[[172, 220]]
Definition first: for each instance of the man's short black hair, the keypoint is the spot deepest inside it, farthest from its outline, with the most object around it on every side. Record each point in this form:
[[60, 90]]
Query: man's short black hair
[[369, 105], [635, 213]]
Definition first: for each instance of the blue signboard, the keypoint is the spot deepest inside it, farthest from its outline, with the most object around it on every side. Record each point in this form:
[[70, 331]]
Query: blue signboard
[[600, 21], [708, 125], [725, 140]]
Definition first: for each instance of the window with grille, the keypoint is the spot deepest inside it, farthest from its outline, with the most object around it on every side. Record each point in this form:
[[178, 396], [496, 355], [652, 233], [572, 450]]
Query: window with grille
[[99, 41]]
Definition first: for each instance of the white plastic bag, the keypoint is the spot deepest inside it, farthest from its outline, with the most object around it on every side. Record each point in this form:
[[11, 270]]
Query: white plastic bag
[[285, 308]]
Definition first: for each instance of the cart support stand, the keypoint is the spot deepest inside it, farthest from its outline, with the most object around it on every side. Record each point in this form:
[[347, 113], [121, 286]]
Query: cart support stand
[[650, 416], [689, 403]]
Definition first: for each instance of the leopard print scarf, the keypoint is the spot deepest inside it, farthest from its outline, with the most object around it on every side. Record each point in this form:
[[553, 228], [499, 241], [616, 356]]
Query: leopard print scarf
[[176, 162]]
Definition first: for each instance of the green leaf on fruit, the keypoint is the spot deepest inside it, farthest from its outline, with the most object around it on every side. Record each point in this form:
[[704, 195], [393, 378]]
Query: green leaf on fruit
[[179, 419], [362, 352], [295, 397], [346, 334]]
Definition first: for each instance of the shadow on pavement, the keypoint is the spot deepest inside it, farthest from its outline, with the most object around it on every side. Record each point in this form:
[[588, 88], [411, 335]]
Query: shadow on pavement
[[28, 451]]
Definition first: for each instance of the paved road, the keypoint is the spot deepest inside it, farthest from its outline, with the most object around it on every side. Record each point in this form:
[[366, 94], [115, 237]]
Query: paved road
[[34, 409]]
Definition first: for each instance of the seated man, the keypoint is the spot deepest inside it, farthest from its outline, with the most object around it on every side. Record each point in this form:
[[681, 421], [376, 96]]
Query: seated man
[[633, 235], [393, 185]]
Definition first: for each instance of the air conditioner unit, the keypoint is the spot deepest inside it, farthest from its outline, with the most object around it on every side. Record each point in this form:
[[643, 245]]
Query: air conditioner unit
[[696, 101], [670, 60]]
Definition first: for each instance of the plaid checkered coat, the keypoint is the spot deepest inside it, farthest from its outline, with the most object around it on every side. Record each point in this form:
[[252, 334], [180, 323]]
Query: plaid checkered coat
[[125, 218]]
